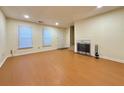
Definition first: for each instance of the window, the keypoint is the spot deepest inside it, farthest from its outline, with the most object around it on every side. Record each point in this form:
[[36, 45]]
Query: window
[[47, 37], [25, 37]]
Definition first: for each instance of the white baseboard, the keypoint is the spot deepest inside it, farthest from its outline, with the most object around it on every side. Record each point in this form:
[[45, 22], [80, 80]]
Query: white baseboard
[[109, 58], [24, 53], [113, 59], [3, 61], [104, 57]]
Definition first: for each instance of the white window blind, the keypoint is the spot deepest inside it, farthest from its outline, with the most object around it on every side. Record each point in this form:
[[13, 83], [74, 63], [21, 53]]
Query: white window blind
[[47, 37], [25, 37]]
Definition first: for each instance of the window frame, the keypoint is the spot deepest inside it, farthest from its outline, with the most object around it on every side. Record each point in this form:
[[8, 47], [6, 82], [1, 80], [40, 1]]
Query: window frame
[[19, 37], [43, 38]]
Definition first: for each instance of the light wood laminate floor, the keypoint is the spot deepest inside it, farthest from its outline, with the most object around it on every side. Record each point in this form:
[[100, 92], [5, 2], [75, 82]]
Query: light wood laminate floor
[[60, 67]]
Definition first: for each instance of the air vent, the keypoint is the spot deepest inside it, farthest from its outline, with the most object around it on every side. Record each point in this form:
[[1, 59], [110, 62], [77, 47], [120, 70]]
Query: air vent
[[40, 22]]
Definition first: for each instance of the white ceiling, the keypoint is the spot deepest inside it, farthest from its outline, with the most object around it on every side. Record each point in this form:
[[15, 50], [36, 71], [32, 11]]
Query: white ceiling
[[64, 15]]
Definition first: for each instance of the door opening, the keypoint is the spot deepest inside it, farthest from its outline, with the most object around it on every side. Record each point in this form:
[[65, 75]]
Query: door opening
[[72, 37]]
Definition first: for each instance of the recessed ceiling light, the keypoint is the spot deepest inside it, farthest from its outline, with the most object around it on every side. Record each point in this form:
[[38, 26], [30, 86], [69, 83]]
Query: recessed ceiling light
[[26, 16], [99, 6], [57, 23]]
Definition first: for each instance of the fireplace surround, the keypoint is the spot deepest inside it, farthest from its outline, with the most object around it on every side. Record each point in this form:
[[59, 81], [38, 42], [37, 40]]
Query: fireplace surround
[[83, 47]]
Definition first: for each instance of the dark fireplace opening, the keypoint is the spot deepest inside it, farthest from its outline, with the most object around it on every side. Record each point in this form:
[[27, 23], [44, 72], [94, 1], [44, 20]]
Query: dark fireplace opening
[[83, 48]]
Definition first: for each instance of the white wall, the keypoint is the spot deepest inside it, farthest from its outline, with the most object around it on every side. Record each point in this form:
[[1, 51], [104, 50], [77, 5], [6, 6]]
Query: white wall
[[3, 43], [106, 30], [67, 37], [58, 35]]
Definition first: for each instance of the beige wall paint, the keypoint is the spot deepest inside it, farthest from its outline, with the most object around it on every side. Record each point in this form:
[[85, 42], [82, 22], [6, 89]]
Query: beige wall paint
[[106, 30], [58, 35], [3, 41]]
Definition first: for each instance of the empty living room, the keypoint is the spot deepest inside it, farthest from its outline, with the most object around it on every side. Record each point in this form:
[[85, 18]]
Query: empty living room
[[61, 45]]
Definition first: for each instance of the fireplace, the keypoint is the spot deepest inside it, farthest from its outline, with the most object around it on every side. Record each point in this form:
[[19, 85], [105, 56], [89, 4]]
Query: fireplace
[[83, 47]]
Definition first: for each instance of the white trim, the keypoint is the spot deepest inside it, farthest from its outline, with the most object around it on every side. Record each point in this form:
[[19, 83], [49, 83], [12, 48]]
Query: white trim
[[109, 58], [3, 61], [18, 32], [113, 59], [104, 57], [25, 53]]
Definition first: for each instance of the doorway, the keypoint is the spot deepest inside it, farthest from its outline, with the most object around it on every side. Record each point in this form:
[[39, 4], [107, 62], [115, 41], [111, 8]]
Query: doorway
[[72, 37]]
